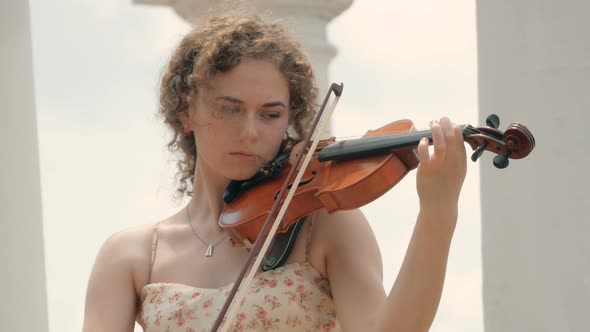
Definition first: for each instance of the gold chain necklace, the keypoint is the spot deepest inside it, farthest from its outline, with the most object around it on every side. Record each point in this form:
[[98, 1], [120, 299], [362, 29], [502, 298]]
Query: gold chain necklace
[[210, 246]]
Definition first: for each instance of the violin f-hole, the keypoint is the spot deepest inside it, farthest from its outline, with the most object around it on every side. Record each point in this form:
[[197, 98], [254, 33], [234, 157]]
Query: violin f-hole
[[302, 183]]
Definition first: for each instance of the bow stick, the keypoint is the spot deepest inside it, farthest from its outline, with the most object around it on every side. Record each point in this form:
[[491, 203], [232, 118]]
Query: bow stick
[[259, 244]]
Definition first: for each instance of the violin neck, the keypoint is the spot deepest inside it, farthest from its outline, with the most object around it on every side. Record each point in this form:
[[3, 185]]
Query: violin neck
[[372, 146]]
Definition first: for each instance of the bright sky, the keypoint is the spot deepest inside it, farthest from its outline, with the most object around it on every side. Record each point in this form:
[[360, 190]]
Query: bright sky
[[104, 165]]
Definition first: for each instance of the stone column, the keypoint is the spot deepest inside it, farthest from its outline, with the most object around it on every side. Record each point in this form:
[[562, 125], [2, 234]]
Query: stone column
[[22, 280], [534, 68], [308, 18]]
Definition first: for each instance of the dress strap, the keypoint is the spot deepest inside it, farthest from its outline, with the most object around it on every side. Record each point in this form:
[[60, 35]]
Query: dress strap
[[154, 247], [308, 239]]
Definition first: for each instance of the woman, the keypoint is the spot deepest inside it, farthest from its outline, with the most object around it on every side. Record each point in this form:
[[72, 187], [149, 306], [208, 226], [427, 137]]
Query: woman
[[237, 91]]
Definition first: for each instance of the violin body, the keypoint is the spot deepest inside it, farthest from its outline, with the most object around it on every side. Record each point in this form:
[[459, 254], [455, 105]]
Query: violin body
[[331, 185]]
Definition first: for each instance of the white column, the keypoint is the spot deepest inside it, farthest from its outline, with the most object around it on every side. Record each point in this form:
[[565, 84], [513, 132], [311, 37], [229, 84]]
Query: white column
[[22, 281], [534, 68], [307, 18]]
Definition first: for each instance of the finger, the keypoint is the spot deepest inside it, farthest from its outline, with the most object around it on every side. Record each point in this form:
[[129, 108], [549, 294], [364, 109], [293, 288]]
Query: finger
[[447, 126], [459, 140], [423, 153], [447, 129], [438, 140]]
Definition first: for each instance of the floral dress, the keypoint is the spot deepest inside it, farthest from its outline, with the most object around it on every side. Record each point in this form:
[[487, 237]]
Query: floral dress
[[293, 297]]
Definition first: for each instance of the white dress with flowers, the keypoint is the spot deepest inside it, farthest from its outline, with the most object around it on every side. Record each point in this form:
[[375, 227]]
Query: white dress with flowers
[[294, 297]]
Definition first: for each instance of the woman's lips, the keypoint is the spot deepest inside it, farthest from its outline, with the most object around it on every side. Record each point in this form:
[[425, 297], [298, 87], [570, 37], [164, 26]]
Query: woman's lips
[[246, 156]]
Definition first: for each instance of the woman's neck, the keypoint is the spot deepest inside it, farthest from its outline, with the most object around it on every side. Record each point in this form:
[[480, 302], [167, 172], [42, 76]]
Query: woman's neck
[[207, 203]]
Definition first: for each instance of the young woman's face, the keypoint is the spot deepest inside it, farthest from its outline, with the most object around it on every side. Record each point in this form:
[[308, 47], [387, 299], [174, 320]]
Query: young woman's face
[[240, 121]]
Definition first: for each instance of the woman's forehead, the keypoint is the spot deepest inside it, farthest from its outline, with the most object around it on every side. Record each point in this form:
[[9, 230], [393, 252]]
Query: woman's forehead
[[250, 80]]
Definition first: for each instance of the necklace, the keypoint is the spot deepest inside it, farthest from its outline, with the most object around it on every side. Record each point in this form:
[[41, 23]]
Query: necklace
[[210, 246]]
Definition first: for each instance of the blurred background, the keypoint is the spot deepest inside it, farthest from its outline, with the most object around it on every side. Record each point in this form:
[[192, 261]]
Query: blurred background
[[104, 167]]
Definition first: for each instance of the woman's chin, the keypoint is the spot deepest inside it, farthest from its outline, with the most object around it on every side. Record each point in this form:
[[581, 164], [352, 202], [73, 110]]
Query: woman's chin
[[243, 175]]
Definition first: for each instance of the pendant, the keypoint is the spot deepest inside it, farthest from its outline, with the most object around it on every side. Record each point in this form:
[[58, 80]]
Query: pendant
[[209, 251]]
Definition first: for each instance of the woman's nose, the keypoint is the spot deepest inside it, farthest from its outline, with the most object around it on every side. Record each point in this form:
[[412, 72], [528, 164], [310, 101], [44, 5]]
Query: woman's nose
[[249, 130]]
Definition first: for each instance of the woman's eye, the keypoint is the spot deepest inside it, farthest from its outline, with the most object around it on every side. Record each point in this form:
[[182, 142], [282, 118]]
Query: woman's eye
[[231, 110], [227, 111], [271, 115]]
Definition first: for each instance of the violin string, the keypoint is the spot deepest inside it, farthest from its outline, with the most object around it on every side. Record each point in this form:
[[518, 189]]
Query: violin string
[[466, 129], [469, 130], [346, 138]]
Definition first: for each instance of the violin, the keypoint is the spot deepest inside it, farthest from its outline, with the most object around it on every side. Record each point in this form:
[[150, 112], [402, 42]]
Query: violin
[[339, 176], [349, 174]]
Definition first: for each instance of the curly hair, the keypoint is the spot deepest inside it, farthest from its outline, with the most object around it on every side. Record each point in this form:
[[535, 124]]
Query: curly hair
[[216, 47]]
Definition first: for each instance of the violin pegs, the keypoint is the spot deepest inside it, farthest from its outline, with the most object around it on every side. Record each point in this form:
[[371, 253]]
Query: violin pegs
[[478, 152], [493, 121], [501, 161]]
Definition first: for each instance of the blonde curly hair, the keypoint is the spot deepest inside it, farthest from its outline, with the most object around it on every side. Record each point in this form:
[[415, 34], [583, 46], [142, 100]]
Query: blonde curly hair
[[216, 47]]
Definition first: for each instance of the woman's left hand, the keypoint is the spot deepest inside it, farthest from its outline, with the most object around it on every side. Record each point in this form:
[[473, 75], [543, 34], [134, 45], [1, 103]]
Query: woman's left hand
[[440, 176]]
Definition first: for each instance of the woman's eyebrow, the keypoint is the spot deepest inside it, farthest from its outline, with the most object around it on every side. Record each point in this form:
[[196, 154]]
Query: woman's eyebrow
[[238, 101], [230, 99], [274, 104]]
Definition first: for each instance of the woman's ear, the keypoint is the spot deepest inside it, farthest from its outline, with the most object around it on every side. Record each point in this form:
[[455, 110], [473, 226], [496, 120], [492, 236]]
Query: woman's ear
[[185, 116], [185, 121]]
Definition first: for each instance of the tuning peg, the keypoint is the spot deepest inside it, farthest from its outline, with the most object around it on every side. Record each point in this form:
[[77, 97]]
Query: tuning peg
[[493, 121], [479, 151], [501, 161]]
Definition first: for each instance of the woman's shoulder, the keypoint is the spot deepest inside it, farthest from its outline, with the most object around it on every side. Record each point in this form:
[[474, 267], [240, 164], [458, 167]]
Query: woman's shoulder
[[131, 249], [136, 241], [333, 234], [125, 242], [117, 274], [345, 231], [129, 246], [339, 225]]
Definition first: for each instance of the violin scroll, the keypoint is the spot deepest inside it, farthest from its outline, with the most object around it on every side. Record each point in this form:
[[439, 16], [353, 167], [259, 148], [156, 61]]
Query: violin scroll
[[515, 143]]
